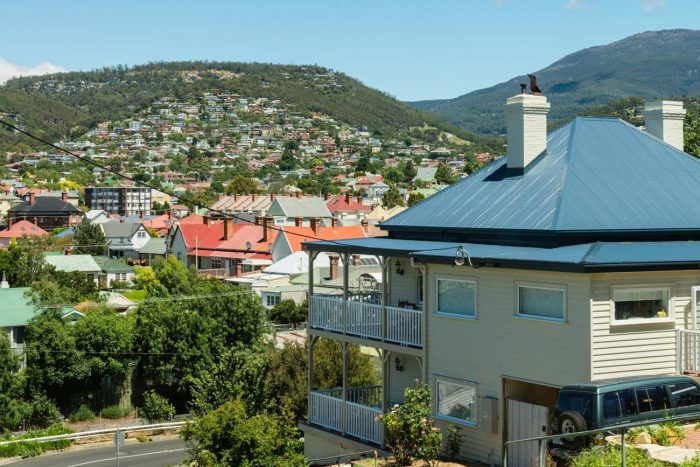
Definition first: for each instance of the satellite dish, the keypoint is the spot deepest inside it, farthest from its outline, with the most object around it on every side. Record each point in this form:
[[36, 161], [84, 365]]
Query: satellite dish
[[248, 246]]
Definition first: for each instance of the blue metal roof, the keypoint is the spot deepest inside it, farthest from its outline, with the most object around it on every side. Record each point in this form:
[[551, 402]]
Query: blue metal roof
[[597, 175], [588, 256]]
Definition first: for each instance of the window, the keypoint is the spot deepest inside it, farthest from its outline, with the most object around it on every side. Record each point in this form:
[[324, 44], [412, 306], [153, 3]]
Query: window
[[456, 401], [641, 304], [619, 404], [684, 394], [581, 403], [141, 234], [456, 297], [217, 263], [541, 302], [272, 300], [652, 398]]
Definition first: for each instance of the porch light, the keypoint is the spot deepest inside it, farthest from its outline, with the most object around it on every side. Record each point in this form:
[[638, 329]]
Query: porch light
[[399, 269], [397, 364]]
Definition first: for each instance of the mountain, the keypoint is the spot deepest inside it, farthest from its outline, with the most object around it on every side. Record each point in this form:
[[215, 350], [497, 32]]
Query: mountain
[[658, 64], [118, 92]]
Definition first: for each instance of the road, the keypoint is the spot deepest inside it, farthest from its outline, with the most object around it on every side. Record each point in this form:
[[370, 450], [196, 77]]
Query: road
[[155, 453]]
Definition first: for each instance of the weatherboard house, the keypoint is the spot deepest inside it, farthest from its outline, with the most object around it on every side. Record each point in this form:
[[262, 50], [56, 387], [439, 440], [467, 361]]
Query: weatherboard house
[[574, 258]]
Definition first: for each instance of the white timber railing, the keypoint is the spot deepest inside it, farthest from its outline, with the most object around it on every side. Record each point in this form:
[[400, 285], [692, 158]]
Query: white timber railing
[[404, 326], [360, 411], [687, 351]]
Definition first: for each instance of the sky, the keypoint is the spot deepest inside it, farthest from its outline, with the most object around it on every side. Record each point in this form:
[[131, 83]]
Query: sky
[[410, 49]]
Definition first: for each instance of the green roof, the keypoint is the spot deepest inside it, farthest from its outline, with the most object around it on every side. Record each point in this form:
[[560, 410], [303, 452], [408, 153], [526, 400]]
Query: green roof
[[70, 263], [16, 309], [154, 246], [112, 265]]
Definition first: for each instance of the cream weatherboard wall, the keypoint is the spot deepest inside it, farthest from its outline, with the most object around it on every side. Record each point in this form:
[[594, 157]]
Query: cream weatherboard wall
[[499, 344], [637, 349]]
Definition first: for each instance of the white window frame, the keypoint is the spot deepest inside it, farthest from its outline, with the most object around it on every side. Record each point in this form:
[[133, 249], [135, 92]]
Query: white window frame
[[670, 313], [529, 285], [454, 279], [469, 384]]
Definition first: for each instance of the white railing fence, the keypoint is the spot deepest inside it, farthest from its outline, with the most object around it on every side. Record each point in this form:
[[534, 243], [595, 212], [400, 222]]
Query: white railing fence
[[361, 410], [687, 351], [404, 326]]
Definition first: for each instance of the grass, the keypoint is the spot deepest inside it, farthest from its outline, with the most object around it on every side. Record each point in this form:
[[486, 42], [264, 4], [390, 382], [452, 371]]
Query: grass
[[138, 295], [611, 455], [33, 448]]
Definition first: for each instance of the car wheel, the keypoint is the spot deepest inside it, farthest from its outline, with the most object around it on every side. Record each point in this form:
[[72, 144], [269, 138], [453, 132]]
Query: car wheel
[[572, 422]]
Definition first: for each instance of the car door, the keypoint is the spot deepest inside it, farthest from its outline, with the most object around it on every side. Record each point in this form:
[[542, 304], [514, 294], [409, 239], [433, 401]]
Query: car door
[[685, 396], [653, 402], [619, 407]]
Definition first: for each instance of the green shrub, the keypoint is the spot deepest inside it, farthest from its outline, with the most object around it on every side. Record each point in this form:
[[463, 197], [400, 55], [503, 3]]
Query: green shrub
[[83, 414], [156, 408], [454, 441], [114, 412], [33, 448], [611, 455], [411, 428], [43, 410]]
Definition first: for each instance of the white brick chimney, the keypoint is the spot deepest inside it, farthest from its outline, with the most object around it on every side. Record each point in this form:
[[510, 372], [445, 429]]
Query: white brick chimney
[[664, 119], [526, 119]]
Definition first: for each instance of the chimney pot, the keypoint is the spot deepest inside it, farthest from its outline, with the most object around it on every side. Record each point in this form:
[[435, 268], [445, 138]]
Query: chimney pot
[[265, 221], [64, 196], [347, 197], [206, 219], [526, 118], [32, 198], [314, 223], [298, 221], [334, 222], [664, 119], [326, 196], [228, 228], [333, 260]]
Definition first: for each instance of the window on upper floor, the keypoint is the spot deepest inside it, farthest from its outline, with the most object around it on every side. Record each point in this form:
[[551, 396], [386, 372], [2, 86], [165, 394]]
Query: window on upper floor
[[456, 297], [541, 302], [141, 234], [455, 400], [630, 305]]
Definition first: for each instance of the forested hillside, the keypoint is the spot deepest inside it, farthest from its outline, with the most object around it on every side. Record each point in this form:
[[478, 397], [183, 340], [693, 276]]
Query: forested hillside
[[115, 93]]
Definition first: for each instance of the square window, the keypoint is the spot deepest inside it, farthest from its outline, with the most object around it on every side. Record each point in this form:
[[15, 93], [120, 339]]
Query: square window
[[456, 297], [641, 304], [456, 401], [541, 302]]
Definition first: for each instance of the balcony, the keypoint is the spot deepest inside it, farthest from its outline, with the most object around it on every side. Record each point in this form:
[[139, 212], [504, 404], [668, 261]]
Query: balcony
[[355, 416], [220, 273], [401, 326]]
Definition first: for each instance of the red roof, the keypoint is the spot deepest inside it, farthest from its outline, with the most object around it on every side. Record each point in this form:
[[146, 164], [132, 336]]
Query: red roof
[[209, 240], [297, 235], [23, 229], [339, 203]]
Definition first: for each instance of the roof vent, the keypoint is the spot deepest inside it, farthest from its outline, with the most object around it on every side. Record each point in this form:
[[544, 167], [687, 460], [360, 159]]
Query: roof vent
[[664, 119], [526, 119]]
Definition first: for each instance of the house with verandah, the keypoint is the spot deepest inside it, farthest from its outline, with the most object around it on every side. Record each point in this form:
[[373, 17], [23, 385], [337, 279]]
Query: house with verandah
[[572, 259]]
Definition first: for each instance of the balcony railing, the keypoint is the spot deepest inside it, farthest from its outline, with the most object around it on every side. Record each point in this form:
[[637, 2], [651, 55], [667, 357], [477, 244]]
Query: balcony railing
[[355, 417], [217, 272], [403, 326]]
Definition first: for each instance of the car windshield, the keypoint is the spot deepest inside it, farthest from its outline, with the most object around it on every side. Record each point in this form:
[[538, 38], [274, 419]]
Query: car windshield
[[578, 402]]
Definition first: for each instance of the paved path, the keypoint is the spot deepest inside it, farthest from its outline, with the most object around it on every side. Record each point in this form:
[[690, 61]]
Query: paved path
[[155, 453]]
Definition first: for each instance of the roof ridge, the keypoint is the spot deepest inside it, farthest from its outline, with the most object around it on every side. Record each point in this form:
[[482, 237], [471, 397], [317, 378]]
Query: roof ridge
[[565, 173], [591, 251], [652, 137]]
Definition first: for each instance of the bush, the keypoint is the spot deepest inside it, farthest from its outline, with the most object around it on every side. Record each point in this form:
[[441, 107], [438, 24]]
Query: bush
[[83, 414], [454, 442], [114, 412], [611, 455], [156, 408], [286, 312], [411, 428], [33, 448], [43, 410]]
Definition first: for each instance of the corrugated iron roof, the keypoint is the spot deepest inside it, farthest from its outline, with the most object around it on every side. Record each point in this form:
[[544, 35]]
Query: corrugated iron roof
[[597, 175]]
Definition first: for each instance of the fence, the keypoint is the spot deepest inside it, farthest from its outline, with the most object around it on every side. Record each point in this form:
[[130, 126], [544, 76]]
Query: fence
[[622, 429]]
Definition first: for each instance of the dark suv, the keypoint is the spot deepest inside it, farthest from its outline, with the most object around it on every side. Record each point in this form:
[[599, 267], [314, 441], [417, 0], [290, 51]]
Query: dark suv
[[607, 403]]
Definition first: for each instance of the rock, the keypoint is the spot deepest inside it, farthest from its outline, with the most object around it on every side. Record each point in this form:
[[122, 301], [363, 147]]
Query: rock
[[642, 438]]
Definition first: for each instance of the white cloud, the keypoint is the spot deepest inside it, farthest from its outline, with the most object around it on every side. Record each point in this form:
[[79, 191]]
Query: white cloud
[[572, 4], [651, 5], [9, 70]]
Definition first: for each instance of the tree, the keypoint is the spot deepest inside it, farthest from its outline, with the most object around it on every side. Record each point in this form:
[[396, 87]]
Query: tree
[[174, 276], [287, 162], [230, 435], [242, 185], [12, 408], [58, 288], [444, 174], [409, 171], [90, 239], [286, 384], [286, 312], [328, 366], [415, 197], [691, 134], [392, 197], [156, 408], [23, 262]]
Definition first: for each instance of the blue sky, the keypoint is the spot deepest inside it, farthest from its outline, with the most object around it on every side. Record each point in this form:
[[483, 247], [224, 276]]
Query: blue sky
[[410, 49]]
